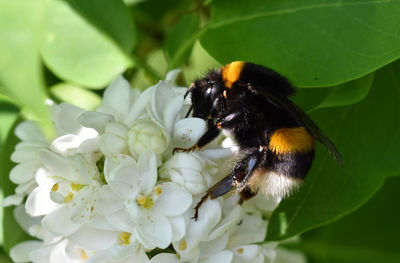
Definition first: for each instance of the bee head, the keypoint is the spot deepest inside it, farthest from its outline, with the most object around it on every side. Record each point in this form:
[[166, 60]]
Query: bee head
[[205, 93]]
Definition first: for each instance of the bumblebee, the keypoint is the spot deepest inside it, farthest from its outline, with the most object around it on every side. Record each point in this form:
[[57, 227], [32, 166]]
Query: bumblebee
[[276, 138]]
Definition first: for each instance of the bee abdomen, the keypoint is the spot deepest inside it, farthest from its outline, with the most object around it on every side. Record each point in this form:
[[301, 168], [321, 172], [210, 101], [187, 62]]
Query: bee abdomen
[[272, 183]]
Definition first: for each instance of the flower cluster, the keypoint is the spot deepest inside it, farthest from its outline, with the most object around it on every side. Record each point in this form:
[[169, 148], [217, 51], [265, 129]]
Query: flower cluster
[[109, 189]]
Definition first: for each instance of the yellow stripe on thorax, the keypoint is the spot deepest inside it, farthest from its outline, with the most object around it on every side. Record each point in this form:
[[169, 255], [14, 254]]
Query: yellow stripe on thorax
[[231, 73], [291, 140]]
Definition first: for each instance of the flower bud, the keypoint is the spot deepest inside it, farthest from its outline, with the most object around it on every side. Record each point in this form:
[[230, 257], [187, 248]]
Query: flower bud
[[146, 135]]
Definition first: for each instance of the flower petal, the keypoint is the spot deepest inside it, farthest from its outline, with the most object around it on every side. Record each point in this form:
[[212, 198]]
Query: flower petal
[[124, 180], [232, 218], [171, 112], [147, 165], [133, 253], [159, 101], [107, 201], [214, 154], [20, 252], [249, 254], [59, 253], [209, 248], [66, 118], [172, 75], [58, 164], [24, 172], [23, 189], [59, 222], [39, 202], [139, 107], [29, 131], [90, 238], [186, 132], [27, 151], [96, 120], [82, 205], [165, 258], [222, 257], [101, 222], [117, 98], [112, 145], [121, 221], [178, 225], [252, 229], [209, 216], [154, 231], [12, 200], [23, 219], [184, 161], [174, 200]]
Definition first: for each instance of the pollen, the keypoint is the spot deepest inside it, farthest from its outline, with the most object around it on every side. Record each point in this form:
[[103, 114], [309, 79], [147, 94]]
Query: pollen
[[182, 245], [82, 253], [125, 238], [158, 190], [69, 197], [76, 187], [240, 250], [146, 202], [55, 187]]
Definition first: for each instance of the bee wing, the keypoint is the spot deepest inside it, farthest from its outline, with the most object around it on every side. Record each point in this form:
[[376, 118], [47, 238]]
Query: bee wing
[[301, 116]]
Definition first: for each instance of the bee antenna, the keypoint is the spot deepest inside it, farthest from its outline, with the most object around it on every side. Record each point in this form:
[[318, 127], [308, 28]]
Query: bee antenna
[[191, 87], [189, 111]]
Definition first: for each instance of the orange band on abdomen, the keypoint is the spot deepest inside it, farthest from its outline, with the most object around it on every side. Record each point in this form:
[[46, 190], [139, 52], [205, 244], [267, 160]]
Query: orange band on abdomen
[[291, 140]]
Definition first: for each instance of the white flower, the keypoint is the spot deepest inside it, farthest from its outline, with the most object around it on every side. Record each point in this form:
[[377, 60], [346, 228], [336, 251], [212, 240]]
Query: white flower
[[27, 159], [191, 170], [146, 135], [140, 206]]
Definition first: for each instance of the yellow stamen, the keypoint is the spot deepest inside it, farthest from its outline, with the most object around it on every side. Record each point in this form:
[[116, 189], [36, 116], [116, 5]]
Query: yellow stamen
[[84, 255], [125, 238], [76, 187], [146, 202], [158, 190], [54, 188], [240, 250], [183, 245], [69, 197]]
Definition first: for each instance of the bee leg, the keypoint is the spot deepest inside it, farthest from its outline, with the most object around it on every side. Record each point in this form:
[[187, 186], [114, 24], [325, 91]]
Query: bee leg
[[206, 138], [218, 189], [238, 175], [246, 194], [251, 163]]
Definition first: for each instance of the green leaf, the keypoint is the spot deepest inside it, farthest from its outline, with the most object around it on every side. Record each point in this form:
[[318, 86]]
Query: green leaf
[[199, 63], [348, 93], [116, 22], [76, 95], [369, 235], [20, 69], [8, 115], [313, 42], [180, 40], [367, 135], [12, 232], [4, 258], [87, 43]]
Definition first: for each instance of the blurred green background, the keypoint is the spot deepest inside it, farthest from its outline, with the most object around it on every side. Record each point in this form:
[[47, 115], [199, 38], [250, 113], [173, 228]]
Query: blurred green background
[[343, 56]]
